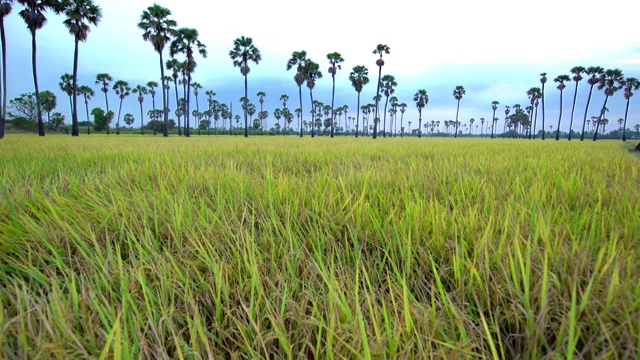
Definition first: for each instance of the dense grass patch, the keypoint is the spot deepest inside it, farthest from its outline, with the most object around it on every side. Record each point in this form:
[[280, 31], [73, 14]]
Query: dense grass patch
[[124, 246]]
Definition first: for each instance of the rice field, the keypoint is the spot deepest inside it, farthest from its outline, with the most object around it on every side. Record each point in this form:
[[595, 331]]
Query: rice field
[[280, 247]]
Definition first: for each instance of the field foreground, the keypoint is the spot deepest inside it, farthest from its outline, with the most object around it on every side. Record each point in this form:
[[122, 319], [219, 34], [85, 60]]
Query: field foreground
[[219, 247]]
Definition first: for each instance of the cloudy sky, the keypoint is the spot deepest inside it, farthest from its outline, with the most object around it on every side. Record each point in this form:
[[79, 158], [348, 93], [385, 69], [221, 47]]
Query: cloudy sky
[[496, 49]]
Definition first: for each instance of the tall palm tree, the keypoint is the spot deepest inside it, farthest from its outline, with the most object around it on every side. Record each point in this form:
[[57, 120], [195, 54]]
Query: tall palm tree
[[403, 108], [33, 16], [121, 89], [458, 93], [388, 88], [311, 72], [104, 79], [543, 80], [630, 84], [359, 77], [88, 93], [196, 86], [422, 99], [243, 52], [158, 29], [534, 94], [507, 110], [577, 72], [494, 106], [151, 89], [176, 68], [66, 85], [334, 65], [186, 42], [611, 81], [298, 60], [560, 79], [142, 91], [261, 94], [80, 14], [380, 49], [594, 73], [5, 9]]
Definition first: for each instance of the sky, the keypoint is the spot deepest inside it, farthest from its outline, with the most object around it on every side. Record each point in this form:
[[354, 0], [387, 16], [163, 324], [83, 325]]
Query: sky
[[496, 49]]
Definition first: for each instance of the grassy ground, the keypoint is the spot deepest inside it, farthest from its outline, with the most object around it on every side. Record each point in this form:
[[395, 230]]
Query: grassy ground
[[126, 247]]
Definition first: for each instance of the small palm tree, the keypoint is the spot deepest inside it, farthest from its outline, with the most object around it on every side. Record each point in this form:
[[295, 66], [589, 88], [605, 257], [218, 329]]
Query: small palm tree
[[121, 89], [196, 86], [594, 73], [611, 81], [494, 106], [261, 94], [630, 84], [5, 9], [151, 86], [458, 93], [175, 67], [104, 79], [242, 53], [403, 108], [128, 119], [66, 85], [142, 91], [421, 99], [298, 60], [334, 61], [311, 72], [561, 79], [543, 80], [359, 77], [88, 93], [380, 49], [388, 88]]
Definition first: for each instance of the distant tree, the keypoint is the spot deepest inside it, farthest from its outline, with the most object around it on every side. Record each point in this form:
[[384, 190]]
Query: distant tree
[[104, 80], [176, 67], [298, 60], [261, 94], [66, 85], [121, 89], [243, 52], [388, 88], [49, 102], [196, 87], [141, 91], [151, 89], [335, 59], [80, 14], [421, 99], [56, 121], [543, 80], [494, 106], [561, 79], [24, 106], [87, 93], [403, 108], [380, 49], [611, 81], [128, 119], [311, 73], [458, 93], [359, 77], [577, 72], [630, 84], [100, 119]]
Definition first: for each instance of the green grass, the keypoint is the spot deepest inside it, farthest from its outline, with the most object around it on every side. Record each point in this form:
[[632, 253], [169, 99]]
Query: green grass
[[280, 247]]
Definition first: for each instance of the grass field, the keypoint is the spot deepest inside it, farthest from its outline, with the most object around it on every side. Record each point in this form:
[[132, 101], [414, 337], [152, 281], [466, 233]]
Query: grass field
[[280, 247]]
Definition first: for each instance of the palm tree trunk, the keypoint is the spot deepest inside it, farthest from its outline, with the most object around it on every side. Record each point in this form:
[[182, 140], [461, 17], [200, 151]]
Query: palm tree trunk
[[246, 98], [535, 119], [86, 105], [384, 122], [624, 126], [420, 123], [300, 117], [595, 134], [118, 123], [3, 111], [559, 118], [142, 120], [313, 115], [401, 129], [165, 130], [333, 94], [106, 101], [187, 128], [457, 111], [543, 131], [153, 106], [375, 122], [74, 107], [586, 110], [493, 123], [35, 82], [358, 115], [573, 108], [175, 86]]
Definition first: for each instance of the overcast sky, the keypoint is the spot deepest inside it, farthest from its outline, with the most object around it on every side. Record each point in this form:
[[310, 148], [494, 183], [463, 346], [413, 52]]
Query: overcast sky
[[496, 49]]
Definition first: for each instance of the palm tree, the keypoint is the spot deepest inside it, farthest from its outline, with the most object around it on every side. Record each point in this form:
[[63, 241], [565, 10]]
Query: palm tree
[[507, 110], [388, 88], [359, 77], [33, 16], [534, 93], [577, 76], [242, 53], [185, 42], [298, 60], [630, 84], [422, 99], [121, 89], [66, 85], [196, 86], [594, 73], [49, 103], [176, 67], [88, 93], [560, 79], [611, 81], [311, 72], [80, 14], [151, 85], [261, 94], [380, 49], [104, 80], [403, 108], [5, 9], [458, 93], [494, 106], [543, 80], [334, 61], [158, 29], [142, 91]]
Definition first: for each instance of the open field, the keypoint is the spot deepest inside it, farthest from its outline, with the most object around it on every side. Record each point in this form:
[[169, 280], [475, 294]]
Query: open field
[[126, 247]]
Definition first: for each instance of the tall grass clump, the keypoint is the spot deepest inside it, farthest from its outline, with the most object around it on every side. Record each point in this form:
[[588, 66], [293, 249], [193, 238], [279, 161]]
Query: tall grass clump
[[221, 247]]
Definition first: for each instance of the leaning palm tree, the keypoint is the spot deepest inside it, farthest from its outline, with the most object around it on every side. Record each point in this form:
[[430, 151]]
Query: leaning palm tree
[[311, 73], [298, 60], [560, 79], [359, 77], [243, 52], [577, 76], [543, 80], [66, 85], [5, 9], [388, 88], [104, 79], [494, 106], [422, 99], [630, 84], [80, 14], [121, 89], [186, 42], [380, 49], [88, 93], [142, 91], [158, 29], [334, 61], [33, 16], [594, 73], [611, 81], [458, 93]]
